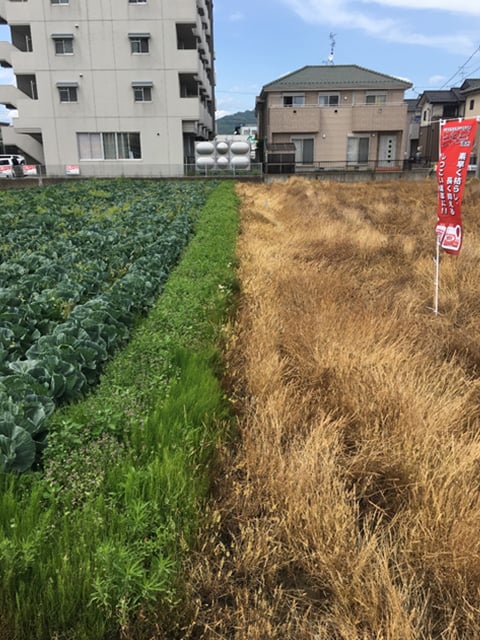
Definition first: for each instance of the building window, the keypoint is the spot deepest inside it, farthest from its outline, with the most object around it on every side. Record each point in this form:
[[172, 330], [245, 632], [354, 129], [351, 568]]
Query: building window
[[294, 101], [357, 149], [378, 98], [139, 42], [59, 1], [109, 146], [68, 92], [63, 44], [142, 91], [328, 101], [303, 150], [472, 104], [137, 1]]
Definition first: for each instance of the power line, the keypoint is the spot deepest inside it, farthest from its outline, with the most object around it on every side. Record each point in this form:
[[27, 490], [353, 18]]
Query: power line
[[460, 69]]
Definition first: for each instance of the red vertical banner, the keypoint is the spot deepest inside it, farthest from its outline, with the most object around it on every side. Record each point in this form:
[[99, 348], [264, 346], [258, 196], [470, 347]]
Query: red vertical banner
[[456, 143]]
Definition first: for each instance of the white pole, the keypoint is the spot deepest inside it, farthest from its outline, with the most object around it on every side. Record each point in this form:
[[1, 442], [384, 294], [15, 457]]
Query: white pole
[[437, 277]]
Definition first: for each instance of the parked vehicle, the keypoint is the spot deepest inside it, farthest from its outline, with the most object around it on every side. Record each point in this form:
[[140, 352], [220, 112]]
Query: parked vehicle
[[15, 157], [6, 168]]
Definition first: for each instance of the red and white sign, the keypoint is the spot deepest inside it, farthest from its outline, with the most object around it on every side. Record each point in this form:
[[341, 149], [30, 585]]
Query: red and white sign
[[456, 142], [72, 170], [30, 170], [6, 171]]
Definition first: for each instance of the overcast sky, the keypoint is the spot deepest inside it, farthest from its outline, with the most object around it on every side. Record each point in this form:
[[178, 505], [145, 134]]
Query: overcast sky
[[432, 43]]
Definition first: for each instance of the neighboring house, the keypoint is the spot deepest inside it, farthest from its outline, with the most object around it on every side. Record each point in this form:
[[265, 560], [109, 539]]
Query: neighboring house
[[115, 88], [470, 89], [458, 102], [436, 106], [414, 115], [336, 116]]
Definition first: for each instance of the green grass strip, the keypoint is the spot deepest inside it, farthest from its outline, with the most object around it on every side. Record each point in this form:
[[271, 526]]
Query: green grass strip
[[93, 548]]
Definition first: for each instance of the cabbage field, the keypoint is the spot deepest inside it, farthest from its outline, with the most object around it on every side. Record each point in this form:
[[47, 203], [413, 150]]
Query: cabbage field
[[114, 302], [79, 262]]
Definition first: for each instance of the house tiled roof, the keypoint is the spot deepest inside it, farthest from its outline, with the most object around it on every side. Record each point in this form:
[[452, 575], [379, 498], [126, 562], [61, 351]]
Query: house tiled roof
[[442, 97], [470, 84], [412, 104], [322, 77]]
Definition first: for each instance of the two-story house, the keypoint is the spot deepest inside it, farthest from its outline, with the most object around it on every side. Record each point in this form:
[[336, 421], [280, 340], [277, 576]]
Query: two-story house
[[470, 89], [436, 105], [336, 116]]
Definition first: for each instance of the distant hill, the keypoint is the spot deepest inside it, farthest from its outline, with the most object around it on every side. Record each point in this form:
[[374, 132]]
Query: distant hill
[[228, 123]]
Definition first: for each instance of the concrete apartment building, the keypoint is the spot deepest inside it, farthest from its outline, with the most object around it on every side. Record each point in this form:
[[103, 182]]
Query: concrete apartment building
[[111, 87], [336, 116]]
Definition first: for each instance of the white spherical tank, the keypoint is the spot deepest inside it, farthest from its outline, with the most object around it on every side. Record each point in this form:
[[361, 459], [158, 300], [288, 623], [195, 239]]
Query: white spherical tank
[[205, 161], [222, 161], [239, 148], [204, 148], [240, 161], [222, 148]]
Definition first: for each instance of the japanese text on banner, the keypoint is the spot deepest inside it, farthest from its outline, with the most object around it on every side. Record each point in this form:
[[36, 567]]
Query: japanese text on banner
[[456, 142]]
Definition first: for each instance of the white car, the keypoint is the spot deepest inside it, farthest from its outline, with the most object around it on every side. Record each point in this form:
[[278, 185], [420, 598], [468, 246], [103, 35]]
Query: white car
[[15, 157], [6, 168]]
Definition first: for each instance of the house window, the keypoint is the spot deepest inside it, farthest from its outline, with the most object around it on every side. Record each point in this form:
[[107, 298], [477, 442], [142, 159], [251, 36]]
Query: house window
[[294, 101], [472, 104], [328, 101], [63, 44], [357, 149], [378, 98], [137, 1], [142, 91], [59, 1], [109, 146], [68, 92], [139, 42], [303, 150]]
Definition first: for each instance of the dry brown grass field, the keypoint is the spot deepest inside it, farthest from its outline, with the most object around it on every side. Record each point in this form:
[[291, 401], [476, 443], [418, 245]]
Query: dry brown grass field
[[349, 505]]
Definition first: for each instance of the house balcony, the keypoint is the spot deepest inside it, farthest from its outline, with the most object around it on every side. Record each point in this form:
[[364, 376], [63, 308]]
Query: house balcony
[[375, 117], [299, 119]]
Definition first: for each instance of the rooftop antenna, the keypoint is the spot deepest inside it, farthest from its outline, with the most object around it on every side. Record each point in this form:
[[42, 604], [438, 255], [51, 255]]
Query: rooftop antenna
[[332, 48]]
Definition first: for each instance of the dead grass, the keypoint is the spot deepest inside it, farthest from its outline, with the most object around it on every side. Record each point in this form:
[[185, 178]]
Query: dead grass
[[350, 508]]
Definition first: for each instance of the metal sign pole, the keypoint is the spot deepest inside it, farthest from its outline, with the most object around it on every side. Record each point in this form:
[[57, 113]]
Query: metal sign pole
[[437, 278]]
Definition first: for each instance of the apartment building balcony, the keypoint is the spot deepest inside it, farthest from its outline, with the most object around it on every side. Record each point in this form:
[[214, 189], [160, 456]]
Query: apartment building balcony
[[379, 117], [202, 8], [188, 61], [6, 54], [14, 12], [299, 119], [10, 96]]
